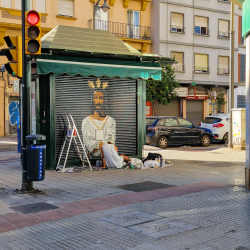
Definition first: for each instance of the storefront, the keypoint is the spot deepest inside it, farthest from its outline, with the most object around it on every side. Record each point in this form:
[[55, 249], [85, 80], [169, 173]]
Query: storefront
[[104, 91]]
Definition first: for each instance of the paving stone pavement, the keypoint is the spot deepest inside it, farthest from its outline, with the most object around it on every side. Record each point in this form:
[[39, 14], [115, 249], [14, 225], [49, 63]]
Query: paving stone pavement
[[209, 202]]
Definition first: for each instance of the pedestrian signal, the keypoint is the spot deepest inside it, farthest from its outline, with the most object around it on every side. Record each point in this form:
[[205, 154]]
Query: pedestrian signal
[[32, 33], [14, 55]]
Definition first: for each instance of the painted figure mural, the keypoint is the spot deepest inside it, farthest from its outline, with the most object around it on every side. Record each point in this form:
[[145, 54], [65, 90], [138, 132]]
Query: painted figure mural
[[98, 127]]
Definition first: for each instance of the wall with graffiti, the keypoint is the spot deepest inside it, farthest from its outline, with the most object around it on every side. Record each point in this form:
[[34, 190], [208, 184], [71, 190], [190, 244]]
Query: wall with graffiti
[[13, 110]]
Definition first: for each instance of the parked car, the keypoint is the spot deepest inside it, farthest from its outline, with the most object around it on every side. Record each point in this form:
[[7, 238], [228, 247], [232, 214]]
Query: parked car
[[175, 130], [218, 124]]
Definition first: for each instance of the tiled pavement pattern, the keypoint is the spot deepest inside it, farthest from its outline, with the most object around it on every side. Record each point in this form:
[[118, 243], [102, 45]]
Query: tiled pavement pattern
[[220, 215]]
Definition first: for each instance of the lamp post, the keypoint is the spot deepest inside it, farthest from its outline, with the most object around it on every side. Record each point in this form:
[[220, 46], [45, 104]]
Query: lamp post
[[104, 8], [231, 84]]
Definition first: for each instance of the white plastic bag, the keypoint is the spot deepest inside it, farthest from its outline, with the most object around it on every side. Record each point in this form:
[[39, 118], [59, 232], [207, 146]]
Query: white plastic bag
[[151, 164]]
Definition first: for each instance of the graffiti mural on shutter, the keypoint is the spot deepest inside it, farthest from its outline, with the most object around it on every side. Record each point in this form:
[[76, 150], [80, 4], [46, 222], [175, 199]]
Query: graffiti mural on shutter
[[102, 109]]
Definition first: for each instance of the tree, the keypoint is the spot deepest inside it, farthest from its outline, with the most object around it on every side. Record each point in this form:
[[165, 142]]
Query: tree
[[162, 90], [220, 99]]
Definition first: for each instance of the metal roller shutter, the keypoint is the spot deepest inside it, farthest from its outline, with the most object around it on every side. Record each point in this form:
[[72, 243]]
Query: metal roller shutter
[[194, 112], [73, 95]]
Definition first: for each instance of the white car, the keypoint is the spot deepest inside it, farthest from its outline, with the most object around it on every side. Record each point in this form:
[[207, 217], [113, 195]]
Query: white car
[[218, 124]]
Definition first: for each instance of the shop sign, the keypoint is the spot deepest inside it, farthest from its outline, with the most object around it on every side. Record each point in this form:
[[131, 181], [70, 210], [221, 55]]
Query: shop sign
[[197, 97]]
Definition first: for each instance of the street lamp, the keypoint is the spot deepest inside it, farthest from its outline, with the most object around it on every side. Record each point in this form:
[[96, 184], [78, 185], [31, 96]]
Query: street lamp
[[104, 8]]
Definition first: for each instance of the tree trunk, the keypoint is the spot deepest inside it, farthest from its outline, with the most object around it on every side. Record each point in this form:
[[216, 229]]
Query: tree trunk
[[153, 109]]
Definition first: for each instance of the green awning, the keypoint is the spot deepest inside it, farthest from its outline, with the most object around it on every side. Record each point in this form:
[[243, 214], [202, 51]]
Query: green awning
[[97, 67]]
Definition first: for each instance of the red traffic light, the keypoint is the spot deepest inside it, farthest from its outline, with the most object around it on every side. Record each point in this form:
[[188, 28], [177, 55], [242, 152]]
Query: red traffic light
[[33, 17]]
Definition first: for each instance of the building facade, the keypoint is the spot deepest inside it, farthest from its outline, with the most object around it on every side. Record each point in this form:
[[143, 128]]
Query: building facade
[[128, 20], [196, 34]]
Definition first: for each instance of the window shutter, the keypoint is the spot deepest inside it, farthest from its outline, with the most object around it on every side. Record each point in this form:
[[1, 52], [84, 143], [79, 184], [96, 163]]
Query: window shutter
[[201, 21], [223, 62], [241, 101], [40, 6], [242, 67], [6, 3], [178, 57], [66, 8], [223, 26], [177, 19], [201, 60]]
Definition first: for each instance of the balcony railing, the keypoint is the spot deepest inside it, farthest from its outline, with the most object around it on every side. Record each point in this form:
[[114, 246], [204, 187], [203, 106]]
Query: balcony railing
[[200, 69], [201, 31], [223, 71], [123, 30], [225, 1], [177, 29], [178, 68], [222, 34]]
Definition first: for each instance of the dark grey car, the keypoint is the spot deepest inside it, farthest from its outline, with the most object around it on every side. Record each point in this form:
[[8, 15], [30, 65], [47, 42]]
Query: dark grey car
[[175, 130]]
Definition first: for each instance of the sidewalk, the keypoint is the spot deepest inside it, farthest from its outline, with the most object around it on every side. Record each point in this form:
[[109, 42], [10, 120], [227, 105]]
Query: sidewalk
[[8, 142], [204, 206]]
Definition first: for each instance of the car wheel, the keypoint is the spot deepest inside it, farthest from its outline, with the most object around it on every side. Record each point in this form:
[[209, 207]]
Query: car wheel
[[225, 139], [205, 140], [162, 142]]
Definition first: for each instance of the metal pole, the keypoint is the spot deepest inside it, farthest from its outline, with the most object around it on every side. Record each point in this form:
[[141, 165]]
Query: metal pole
[[95, 5], [247, 169], [231, 84], [25, 109]]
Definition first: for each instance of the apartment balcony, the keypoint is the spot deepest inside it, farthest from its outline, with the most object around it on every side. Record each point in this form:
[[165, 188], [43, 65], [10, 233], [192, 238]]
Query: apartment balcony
[[127, 32], [223, 71], [224, 35], [201, 70]]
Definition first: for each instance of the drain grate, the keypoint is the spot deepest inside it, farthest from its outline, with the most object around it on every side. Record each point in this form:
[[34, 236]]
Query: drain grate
[[144, 186], [34, 208]]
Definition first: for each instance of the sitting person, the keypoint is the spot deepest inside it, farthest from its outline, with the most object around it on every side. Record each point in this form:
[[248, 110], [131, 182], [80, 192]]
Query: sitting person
[[110, 155]]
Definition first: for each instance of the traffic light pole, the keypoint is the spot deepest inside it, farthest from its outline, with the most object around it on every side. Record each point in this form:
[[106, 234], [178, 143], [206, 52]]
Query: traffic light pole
[[25, 101]]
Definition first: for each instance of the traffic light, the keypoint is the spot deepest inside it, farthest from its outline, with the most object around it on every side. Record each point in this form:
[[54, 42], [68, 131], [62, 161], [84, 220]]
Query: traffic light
[[32, 33], [14, 55]]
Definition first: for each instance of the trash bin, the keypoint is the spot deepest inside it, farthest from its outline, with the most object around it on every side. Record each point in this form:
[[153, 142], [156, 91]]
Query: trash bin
[[35, 158]]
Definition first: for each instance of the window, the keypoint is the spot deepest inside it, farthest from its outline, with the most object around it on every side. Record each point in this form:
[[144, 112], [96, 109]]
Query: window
[[171, 122], [101, 21], [6, 4], [223, 29], [161, 122], [150, 122], [241, 101], [223, 68], [201, 63], [133, 22], [66, 8], [177, 23], [18, 4], [178, 56], [40, 6], [242, 68], [201, 25], [185, 123], [211, 120]]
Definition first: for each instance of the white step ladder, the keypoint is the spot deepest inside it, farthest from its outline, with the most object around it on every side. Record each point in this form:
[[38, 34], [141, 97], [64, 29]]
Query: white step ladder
[[72, 134]]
